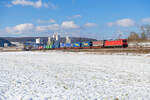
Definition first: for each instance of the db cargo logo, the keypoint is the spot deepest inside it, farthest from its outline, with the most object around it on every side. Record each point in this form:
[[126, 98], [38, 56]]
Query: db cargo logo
[[77, 44], [86, 44]]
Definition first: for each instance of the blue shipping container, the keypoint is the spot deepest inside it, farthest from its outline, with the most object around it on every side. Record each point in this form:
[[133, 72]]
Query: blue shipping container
[[62, 45], [77, 44], [35, 46], [56, 45], [44, 46], [86, 44], [27, 44], [52, 46], [68, 45]]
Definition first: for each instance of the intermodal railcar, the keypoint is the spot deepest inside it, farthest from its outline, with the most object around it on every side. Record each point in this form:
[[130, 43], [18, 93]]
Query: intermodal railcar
[[85, 45]]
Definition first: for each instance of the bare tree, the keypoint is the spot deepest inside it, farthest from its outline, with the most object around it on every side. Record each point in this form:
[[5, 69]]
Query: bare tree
[[146, 31], [134, 37], [143, 36]]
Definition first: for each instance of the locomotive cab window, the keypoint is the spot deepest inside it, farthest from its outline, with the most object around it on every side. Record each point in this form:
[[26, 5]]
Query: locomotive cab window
[[124, 41]]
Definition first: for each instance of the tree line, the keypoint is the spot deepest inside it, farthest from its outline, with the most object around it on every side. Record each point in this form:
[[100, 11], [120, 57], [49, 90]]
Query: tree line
[[143, 36]]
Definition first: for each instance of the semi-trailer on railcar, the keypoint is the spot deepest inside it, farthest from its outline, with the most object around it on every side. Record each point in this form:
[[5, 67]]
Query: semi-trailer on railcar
[[98, 44]]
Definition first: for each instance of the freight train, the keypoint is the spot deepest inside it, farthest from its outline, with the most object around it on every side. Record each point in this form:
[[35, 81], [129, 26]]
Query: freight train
[[122, 43]]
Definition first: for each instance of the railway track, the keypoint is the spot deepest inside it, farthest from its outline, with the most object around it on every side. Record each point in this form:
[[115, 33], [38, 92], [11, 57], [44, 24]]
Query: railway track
[[113, 50], [104, 50]]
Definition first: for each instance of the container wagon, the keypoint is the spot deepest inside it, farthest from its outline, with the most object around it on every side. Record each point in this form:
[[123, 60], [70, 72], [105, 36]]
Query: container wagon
[[86, 45], [98, 44], [68, 45], [62, 46], [57, 45], [76, 45]]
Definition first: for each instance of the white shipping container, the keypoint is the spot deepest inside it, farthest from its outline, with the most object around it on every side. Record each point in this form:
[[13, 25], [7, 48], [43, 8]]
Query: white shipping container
[[5, 44], [38, 41]]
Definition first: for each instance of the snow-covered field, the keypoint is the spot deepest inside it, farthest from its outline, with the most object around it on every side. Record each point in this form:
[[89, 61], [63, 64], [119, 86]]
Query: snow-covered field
[[73, 76]]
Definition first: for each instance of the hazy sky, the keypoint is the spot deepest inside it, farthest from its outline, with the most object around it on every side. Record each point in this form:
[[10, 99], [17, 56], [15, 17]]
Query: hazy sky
[[86, 18]]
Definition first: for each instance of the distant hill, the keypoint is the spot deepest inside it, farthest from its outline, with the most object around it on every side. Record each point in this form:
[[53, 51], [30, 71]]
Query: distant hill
[[25, 39], [3, 41]]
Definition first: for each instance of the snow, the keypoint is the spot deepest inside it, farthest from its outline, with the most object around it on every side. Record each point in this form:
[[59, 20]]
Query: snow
[[73, 76]]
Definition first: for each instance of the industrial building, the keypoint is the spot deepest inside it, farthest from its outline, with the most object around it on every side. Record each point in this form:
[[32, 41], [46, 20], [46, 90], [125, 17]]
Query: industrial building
[[4, 43]]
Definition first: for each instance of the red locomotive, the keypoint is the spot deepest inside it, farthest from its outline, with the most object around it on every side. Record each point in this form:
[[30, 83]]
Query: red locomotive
[[116, 43]]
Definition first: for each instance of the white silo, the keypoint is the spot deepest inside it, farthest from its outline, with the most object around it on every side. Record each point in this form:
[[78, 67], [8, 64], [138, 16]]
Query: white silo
[[57, 37], [68, 40], [49, 41]]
